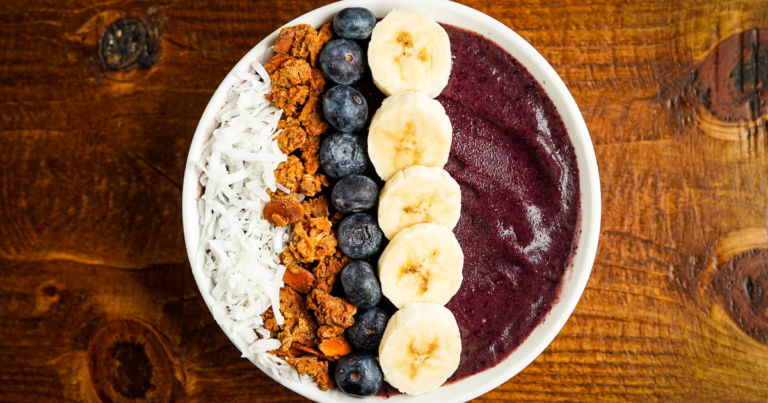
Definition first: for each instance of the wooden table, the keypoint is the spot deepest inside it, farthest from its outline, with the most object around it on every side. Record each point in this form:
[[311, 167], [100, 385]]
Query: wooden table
[[97, 301]]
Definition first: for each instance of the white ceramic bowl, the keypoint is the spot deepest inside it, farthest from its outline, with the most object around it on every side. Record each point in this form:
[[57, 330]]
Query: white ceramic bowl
[[576, 278]]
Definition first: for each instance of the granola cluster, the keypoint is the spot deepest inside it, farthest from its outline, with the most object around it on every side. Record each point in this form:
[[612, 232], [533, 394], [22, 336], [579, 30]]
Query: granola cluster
[[292, 175], [313, 332], [296, 88], [310, 341], [313, 238]]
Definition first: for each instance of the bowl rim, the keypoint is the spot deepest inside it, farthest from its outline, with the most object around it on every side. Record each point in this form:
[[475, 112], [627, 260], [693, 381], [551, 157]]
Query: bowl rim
[[578, 273]]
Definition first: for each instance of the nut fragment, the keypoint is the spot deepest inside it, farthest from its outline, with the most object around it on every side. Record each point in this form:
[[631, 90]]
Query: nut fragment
[[283, 212], [299, 278], [335, 347]]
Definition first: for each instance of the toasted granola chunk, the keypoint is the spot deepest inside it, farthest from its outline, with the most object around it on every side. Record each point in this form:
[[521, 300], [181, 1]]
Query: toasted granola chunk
[[285, 39], [311, 117], [295, 40], [275, 62], [312, 184], [310, 154], [331, 310], [317, 207], [303, 41], [323, 37], [320, 223], [281, 97], [280, 195], [291, 138], [315, 368], [312, 240], [316, 83], [327, 270], [270, 323], [297, 95], [326, 332], [288, 122], [336, 218], [291, 85], [291, 73], [299, 327], [299, 324], [289, 256], [290, 173]]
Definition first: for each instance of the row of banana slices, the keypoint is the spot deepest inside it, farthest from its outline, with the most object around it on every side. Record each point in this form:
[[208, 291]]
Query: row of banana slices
[[408, 143]]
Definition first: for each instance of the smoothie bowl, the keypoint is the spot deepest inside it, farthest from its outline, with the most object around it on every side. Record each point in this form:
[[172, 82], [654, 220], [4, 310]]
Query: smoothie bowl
[[480, 173]]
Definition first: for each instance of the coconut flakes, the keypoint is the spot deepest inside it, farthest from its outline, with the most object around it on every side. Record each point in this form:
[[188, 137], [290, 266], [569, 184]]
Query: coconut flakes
[[239, 248]]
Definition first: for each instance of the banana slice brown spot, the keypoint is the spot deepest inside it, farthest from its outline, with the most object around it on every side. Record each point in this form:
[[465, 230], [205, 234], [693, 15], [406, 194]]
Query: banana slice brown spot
[[405, 39], [424, 55], [420, 357], [421, 271], [408, 143], [407, 140], [418, 271], [422, 208]]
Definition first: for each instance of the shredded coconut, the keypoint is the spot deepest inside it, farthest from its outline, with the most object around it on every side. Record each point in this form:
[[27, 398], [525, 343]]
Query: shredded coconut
[[239, 248]]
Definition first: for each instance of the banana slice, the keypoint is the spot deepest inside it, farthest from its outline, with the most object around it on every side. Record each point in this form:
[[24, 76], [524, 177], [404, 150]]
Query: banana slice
[[421, 348], [422, 263], [416, 195], [409, 129], [409, 51]]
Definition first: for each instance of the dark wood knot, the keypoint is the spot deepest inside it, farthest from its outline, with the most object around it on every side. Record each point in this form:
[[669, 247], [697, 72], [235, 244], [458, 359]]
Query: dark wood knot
[[725, 95], [50, 291], [734, 77], [127, 42], [128, 363], [48, 295], [743, 284]]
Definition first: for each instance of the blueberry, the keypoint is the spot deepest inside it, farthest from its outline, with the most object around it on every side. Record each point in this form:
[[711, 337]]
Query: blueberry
[[344, 154], [360, 285], [354, 23], [342, 62], [355, 193], [359, 236], [358, 374], [345, 108], [366, 333]]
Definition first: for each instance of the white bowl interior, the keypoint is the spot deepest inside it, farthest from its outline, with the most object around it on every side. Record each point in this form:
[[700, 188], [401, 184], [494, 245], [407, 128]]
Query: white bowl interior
[[576, 277]]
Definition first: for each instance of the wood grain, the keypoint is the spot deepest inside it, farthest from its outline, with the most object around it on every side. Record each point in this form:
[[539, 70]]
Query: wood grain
[[97, 300]]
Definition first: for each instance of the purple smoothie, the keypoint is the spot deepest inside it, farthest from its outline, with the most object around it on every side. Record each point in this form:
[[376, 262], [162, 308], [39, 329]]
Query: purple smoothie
[[520, 212]]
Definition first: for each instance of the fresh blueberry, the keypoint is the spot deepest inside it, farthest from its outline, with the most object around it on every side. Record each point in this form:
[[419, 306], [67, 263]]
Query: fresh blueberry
[[358, 374], [344, 154], [359, 236], [345, 108], [360, 285], [355, 193], [342, 62], [366, 333], [354, 23]]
